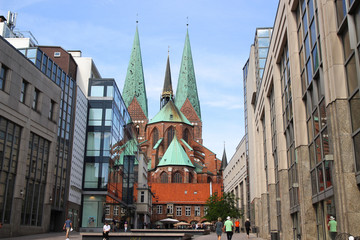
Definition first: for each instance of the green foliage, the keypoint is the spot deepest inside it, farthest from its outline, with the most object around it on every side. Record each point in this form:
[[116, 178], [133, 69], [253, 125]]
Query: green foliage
[[222, 206]]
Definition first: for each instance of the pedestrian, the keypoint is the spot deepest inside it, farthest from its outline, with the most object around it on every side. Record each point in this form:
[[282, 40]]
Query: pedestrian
[[332, 224], [219, 227], [247, 227], [229, 228], [125, 226], [237, 226], [106, 230], [67, 226]]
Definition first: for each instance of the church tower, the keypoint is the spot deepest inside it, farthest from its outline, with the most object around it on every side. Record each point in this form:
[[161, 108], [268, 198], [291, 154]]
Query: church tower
[[187, 99], [134, 92], [167, 93]]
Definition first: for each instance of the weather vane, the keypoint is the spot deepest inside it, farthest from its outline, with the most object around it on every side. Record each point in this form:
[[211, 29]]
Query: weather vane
[[187, 21], [137, 18]]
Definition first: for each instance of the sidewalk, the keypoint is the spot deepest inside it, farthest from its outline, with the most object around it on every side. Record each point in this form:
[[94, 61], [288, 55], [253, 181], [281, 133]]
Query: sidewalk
[[76, 236], [236, 236]]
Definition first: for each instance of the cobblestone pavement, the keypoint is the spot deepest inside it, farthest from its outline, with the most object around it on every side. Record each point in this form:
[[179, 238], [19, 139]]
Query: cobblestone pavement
[[76, 236]]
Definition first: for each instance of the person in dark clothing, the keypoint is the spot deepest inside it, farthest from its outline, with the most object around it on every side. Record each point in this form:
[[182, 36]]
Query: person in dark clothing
[[247, 227]]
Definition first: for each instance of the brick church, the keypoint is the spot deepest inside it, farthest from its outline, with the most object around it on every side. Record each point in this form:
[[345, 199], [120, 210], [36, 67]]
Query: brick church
[[182, 173]]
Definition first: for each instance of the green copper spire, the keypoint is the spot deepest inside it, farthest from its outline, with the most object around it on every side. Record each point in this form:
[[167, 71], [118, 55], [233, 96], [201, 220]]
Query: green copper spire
[[134, 85], [167, 93], [186, 87], [175, 155]]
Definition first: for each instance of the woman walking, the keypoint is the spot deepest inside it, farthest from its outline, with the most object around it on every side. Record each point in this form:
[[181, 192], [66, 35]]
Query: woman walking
[[247, 226], [219, 226]]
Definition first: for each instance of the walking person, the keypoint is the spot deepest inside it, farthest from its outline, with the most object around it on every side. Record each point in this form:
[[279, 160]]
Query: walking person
[[332, 224], [237, 226], [67, 226], [106, 230], [247, 227], [218, 228], [125, 226], [229, 228]]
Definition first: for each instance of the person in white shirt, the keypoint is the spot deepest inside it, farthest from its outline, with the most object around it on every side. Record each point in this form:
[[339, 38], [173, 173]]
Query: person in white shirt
[[106, 230]]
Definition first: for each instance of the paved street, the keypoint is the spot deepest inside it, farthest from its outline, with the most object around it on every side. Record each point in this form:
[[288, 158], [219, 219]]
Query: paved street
[[76, 236]]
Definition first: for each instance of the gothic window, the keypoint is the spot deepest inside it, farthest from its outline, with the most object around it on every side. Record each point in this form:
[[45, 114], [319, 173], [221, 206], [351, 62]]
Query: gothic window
[[164, 177], [170, 135], [209, 180], [177, 178], [190, 178], [155, 137], [186, 135]]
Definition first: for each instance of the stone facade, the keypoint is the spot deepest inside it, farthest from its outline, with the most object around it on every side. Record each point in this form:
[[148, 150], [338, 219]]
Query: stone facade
[[307, 107]]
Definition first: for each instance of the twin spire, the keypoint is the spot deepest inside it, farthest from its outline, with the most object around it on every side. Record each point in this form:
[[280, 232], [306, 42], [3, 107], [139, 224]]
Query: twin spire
[[134, 86]]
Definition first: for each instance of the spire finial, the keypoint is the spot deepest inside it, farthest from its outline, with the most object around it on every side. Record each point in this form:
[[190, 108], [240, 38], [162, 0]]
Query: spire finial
[[168, 50], [137, 18], [187, 21]]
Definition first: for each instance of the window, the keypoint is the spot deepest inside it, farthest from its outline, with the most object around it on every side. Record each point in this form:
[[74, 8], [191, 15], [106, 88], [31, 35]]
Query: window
[[164, 177], [155, 137], [197, 211], [187, 211], [108, 117], [93, 144], [23, 91], [116, 210], [107, 210], [9, 154], [35, 99], [35, 177], [170, 209], [206, 210], [170, 135], [178, 211], [159, 209], [3, 74], [177, 178], [95, 116], [91, 175], [51, 110], [97, 91], [142, 196]]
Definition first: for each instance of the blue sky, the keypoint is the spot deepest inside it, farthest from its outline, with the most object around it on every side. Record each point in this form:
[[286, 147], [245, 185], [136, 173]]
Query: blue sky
[[221, 33]]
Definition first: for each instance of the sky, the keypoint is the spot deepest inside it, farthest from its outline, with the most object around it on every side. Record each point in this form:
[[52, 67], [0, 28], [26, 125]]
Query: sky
[[221, 34]]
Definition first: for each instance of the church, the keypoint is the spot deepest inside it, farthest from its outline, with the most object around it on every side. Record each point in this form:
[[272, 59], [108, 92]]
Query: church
[[182, 172]]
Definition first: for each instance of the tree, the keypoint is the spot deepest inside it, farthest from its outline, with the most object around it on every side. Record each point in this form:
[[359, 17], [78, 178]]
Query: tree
[[222, 206]]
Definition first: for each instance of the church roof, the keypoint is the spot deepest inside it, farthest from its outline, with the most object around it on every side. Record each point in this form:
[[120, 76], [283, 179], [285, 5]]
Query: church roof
[[175, 155], [134, 85], [169, 113], [186, 87], [224, 161], [129, 148], [167, 89]]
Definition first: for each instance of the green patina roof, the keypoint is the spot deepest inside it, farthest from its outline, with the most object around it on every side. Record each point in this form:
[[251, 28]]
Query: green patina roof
[[129, 148], [134, 85], [186, 87], [175, 155], [186, 144], [158, 143], [170, 113]]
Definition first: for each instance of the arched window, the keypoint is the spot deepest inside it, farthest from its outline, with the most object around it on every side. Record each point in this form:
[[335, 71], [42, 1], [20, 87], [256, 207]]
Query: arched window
[[186, 135], [190, 178], [170, 135], [177, 178], [209, 180], [164, 177], [155, 137]]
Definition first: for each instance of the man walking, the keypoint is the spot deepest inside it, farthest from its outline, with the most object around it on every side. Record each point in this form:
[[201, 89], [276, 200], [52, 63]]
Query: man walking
[[67, 226], [229, 227], [237, 226]]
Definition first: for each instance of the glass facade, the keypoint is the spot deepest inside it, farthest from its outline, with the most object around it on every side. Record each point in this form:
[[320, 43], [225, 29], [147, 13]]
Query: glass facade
[[110, 160], [9, 154]]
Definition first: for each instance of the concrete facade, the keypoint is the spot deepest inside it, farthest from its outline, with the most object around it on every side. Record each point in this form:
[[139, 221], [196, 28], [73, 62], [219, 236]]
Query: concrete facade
[[31, 121], [305, 122]]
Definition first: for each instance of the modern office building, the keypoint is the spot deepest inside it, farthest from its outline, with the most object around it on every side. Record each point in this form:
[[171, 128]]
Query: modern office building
[[30, 103], [303, 122], [235, 178]]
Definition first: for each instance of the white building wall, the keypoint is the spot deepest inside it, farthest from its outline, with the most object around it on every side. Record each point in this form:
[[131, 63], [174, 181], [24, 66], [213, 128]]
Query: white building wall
[[76, 174]]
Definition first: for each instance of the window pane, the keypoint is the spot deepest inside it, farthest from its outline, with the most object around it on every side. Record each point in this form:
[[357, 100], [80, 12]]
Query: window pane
[[328, 174], [351, 75], [341, 10], [108, 117], [355, 112], [263, 42], [313, 182], [91, 175], [305, 23], [318, 149], [93, 144], [109, 91], [104, 175], [346, 44], [315, 55], [263, 32], [313, 34], [309, 71], [357, 23], [357, 151], [325, 142], [95, 116], [107, 144], [320, 175], [307, 47], [97, 91], [311, 9]]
